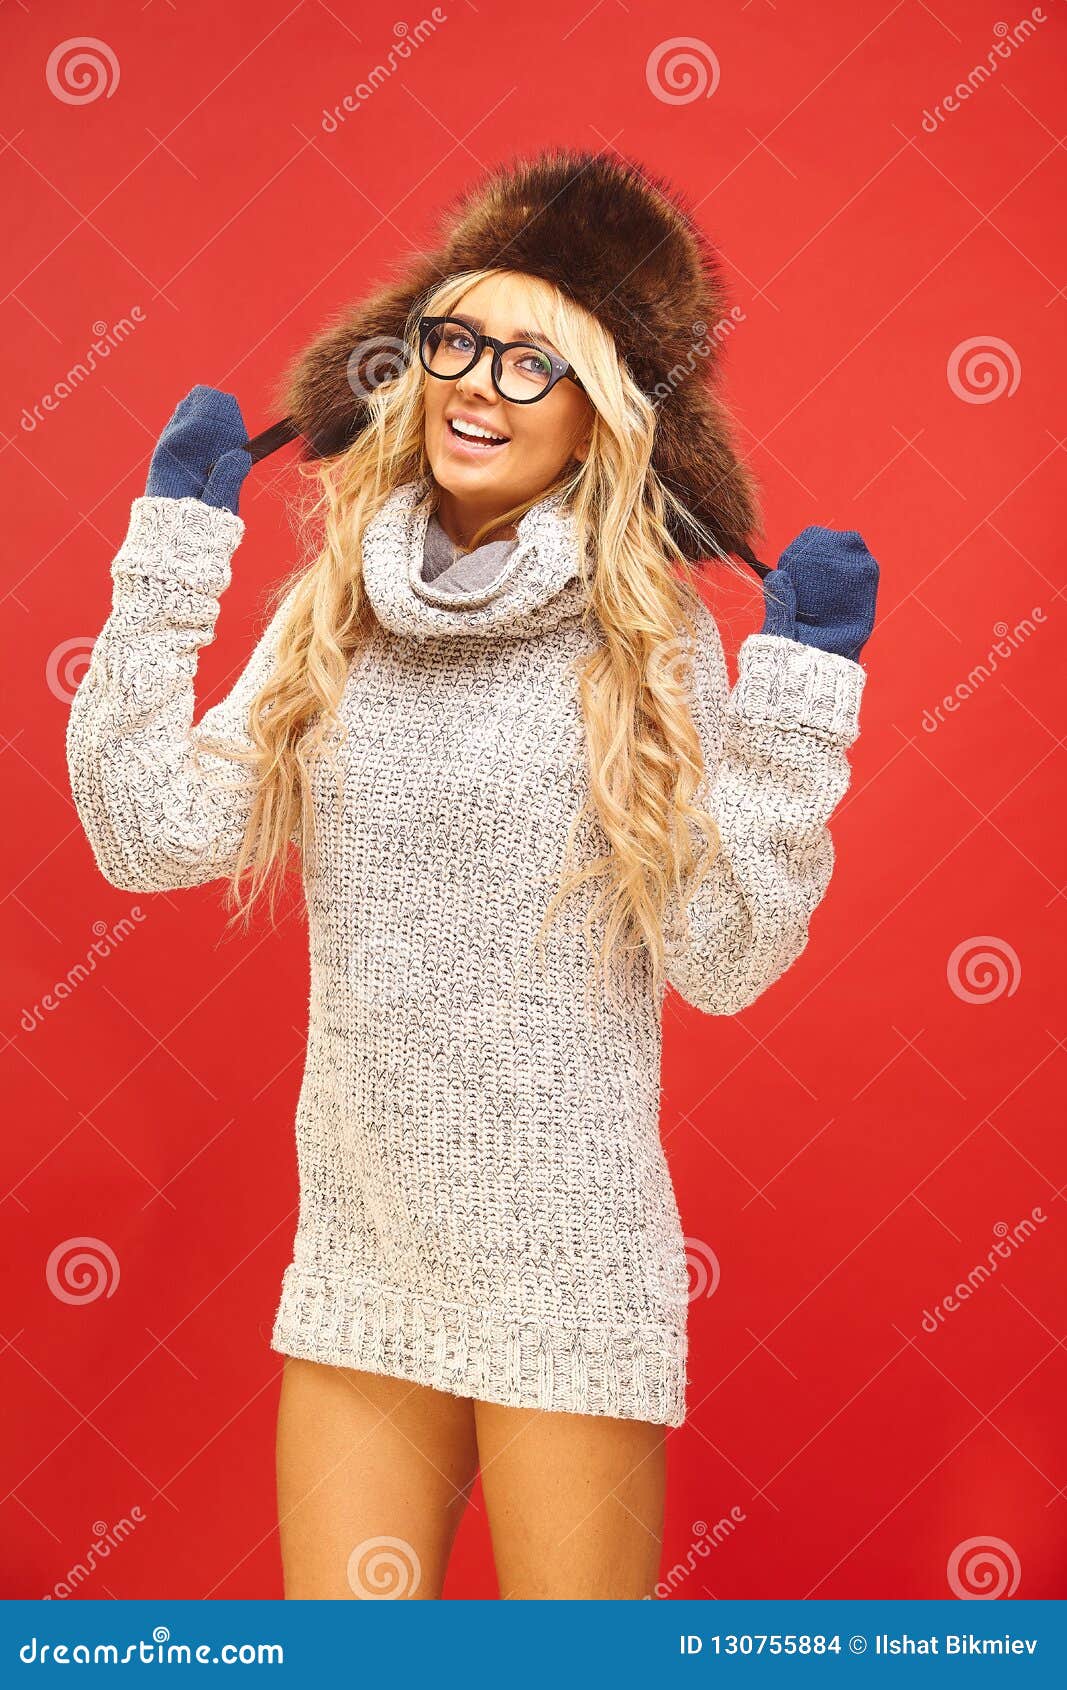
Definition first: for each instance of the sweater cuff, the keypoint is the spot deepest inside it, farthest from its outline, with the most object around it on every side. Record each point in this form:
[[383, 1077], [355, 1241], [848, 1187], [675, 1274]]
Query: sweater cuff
[[797, 685], [181, 541]]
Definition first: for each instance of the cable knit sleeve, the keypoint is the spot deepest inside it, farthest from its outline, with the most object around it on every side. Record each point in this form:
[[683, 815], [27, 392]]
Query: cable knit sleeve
[[155, 821], [775, 769]]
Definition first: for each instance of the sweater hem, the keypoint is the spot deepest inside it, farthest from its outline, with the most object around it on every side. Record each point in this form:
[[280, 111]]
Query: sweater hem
[[471, 1352]]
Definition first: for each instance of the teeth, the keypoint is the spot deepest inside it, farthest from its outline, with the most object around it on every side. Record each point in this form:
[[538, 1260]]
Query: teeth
[[472, 429]]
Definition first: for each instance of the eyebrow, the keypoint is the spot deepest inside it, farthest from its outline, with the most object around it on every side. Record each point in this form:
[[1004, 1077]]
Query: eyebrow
[[516, 334]]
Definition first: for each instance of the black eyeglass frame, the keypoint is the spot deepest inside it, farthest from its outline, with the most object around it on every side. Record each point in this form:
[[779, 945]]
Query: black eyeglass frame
[[560, 366]]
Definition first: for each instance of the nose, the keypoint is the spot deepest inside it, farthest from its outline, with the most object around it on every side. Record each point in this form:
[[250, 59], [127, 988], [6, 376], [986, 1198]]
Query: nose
[[479, 378]]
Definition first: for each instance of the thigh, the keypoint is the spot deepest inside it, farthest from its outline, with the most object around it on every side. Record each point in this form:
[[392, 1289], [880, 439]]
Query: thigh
[[574, 1501], [373, 1476]]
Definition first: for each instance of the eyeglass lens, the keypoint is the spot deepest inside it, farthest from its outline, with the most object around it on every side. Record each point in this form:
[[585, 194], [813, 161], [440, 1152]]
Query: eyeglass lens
[[448, 350]]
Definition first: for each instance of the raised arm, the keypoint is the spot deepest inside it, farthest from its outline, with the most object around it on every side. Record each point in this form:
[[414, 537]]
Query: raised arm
[[154, 820], [775, 768]]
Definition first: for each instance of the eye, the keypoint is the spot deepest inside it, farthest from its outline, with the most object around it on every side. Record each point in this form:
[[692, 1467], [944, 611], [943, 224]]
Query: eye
[[537, 363], [458, 338]]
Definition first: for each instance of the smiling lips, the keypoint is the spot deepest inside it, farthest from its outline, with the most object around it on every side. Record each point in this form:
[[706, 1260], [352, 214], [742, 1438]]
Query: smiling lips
[[473, 435]]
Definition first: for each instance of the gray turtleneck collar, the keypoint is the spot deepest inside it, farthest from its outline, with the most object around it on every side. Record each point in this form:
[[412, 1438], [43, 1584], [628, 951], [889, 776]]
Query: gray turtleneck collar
[[461, 572], [539, 584]]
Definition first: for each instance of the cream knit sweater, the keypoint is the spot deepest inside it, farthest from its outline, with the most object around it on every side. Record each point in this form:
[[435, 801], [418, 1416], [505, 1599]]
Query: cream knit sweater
[[485, 1206]]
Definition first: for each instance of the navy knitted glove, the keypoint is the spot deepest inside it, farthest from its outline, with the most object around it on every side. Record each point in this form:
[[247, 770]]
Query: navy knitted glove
[[200, 454], [823, 591]]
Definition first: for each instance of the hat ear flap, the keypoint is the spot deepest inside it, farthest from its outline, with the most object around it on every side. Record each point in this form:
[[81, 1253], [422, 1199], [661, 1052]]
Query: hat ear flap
[[694, 456], [324, 390]]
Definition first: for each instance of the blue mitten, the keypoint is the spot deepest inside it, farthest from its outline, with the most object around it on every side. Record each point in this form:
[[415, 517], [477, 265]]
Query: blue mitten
[[200, 454], [823, 591]]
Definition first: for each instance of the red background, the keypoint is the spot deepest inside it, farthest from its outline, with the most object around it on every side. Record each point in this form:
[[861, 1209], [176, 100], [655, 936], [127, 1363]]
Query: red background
[[849, 1145]]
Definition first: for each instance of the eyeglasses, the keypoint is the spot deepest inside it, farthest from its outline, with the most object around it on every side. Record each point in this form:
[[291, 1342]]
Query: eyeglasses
[[522, 373]]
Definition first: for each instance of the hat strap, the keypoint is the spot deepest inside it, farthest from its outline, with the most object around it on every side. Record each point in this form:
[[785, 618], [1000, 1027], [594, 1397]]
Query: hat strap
[[280, 433]]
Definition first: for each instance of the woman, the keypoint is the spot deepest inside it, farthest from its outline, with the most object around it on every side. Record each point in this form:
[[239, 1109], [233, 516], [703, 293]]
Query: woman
[[495, 715]]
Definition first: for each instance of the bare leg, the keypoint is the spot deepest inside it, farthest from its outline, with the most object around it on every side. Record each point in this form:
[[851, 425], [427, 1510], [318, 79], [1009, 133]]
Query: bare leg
[[373, 1476], [575, 1502]]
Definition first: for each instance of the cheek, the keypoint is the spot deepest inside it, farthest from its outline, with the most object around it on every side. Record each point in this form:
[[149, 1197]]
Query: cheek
[[542, 437], [432, 421]]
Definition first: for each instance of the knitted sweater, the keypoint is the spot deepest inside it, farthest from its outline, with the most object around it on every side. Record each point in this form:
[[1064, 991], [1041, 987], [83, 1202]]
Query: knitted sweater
[[485, 1205]]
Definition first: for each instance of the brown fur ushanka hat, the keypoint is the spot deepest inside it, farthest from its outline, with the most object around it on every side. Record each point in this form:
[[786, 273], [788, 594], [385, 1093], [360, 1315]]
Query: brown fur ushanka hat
[[625, 246]]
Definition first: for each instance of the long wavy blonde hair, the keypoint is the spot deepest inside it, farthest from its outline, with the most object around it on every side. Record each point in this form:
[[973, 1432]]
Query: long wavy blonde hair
[[645, 762]]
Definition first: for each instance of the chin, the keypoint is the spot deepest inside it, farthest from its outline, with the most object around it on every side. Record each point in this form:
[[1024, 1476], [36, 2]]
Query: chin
[[458, 478]]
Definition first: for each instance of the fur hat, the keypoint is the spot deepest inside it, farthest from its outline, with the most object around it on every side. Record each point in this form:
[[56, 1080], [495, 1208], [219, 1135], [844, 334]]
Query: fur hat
[[625, 246]]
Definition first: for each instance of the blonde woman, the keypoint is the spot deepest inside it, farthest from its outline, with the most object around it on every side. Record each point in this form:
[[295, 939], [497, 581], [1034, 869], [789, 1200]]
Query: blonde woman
[[493, 715]]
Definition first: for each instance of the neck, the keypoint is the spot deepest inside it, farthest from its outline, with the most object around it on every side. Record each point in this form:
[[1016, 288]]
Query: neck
[[461, 521]]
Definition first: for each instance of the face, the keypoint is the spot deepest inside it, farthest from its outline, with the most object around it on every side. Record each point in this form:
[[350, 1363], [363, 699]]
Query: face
[[478, 482]]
